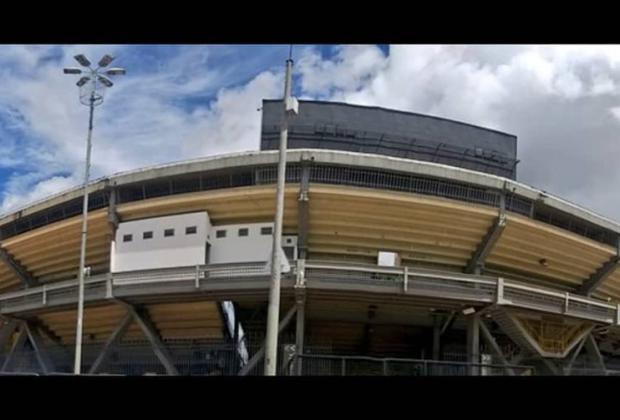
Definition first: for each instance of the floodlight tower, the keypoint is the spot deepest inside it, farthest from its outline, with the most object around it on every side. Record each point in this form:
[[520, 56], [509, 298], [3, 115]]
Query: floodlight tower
[[92, 86]]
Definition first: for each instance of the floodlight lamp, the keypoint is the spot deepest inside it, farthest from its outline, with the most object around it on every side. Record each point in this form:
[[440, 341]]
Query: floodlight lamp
[[106, 82], [81, 58], [72, 70], [105, 60], [82, 81], [115, 71]]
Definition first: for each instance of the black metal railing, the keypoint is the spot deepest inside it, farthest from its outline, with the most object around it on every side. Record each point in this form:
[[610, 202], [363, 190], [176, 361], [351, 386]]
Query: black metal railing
[[335, 365], [319, 173]]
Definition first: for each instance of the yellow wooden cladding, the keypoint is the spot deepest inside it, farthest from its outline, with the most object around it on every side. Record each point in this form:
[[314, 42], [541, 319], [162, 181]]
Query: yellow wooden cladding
[[345, 223]]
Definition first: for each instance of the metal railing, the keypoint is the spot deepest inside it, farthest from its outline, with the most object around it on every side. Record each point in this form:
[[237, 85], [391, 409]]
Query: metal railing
[[334, 365], [466, 287], [230, 277]]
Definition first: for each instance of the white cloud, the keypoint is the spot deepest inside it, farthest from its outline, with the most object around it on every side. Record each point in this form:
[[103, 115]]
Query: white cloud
[[559, 100], [145, 119]]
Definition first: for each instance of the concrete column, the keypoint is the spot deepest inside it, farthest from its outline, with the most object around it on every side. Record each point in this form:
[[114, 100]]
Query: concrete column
[[436, 336], [300, 332], [473, 342]]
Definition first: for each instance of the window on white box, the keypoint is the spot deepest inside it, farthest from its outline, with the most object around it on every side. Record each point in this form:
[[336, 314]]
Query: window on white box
[[387, 259]]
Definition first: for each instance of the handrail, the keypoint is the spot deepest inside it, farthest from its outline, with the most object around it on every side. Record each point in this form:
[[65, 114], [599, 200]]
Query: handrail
[[406, 274], [425, 363], [407, 360]]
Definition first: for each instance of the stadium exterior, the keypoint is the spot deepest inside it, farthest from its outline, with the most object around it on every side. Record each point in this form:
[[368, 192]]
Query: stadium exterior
[[489, 276]]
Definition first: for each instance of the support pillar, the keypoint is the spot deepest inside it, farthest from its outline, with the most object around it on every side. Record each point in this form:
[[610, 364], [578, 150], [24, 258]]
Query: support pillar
[[436, 336], [473, 343], [304, 210], [17, 346], [299, 332]]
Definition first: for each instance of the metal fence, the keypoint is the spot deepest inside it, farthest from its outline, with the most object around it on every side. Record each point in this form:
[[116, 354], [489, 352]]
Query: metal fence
[[130, 359], [333, 365]]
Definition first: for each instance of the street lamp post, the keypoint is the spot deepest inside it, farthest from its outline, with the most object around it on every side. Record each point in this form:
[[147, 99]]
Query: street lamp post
[[91, 85], [273, 312]]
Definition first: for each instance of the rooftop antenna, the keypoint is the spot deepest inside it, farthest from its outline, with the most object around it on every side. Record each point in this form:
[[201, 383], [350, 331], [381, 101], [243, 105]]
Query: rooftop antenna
[[291, 107]]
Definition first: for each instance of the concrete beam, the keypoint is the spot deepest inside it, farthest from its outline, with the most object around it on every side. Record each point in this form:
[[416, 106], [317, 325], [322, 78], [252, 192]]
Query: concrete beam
[[594, 352], [6, 332], [300, 319], [261, 352], [303, 215], [36, 341], [553, 368], [449, 321], [576, 352], [488, 337], [17, 345], [149, 330], [26, 278], [476, 263], [473, 343], [116, 335], [436, 336], [113, 217], [596, 279]]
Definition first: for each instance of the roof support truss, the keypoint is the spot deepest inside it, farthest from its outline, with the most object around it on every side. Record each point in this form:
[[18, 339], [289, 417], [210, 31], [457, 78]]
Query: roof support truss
[[594, 352], [116, 335], [488, 337], [597, 278], [26, 278], [6, 332], [149, 330], [18, 344], [46, 363], [304, 210], [485, 247]]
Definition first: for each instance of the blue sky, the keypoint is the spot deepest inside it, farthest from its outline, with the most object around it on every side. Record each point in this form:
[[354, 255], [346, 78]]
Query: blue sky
[[186, 101]]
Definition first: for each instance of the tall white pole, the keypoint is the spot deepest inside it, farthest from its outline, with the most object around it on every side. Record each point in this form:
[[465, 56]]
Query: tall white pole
[[273, 315], [80, 315]]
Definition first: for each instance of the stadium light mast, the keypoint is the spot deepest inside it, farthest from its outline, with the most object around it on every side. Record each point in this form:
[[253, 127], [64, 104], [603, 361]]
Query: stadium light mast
[[290, 106], [92, 85]]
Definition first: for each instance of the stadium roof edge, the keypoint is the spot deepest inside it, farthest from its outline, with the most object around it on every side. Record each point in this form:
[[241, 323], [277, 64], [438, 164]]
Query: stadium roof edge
[[254, 158]]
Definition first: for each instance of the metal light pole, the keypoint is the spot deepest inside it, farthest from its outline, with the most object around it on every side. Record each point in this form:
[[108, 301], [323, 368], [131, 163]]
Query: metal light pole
[[273, 314], [91, 94]]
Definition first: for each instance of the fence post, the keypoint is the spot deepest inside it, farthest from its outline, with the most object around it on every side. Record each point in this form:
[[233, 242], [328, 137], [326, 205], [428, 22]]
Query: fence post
[[566, 302], [108, 283], [343, 367], [44, 294], [618, 314], [300, 279], [499, 298], [405, 278], [197, 279]]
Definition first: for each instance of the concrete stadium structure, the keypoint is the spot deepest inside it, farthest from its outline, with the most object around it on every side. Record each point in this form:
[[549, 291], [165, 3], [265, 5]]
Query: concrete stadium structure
[[491, 276]]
